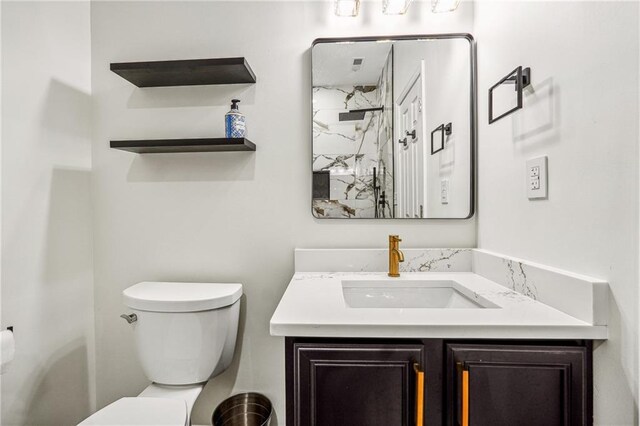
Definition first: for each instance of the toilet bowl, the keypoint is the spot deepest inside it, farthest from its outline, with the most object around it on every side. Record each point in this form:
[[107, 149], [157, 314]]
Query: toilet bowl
[[185, 333]]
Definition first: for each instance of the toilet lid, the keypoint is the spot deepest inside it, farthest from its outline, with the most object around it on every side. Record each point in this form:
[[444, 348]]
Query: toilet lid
[[141, 412], [181, 297]]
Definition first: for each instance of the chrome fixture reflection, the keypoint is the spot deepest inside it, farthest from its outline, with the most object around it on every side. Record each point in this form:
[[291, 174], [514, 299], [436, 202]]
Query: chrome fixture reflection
[[357, 114], [438, 6], [395, 7], [347, 7]]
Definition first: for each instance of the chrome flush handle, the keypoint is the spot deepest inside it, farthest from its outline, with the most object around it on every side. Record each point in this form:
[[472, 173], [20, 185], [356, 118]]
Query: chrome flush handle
[[131, 318]]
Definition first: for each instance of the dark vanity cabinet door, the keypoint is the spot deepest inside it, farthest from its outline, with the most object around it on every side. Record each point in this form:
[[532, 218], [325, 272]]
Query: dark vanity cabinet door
[[518, 385], [340, 384]]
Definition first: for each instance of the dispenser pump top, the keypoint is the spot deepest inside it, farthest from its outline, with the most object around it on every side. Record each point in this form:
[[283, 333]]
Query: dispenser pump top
[[234, 103]]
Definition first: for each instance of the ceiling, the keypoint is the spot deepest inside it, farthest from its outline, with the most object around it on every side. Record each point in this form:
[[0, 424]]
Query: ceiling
[[332, 63]]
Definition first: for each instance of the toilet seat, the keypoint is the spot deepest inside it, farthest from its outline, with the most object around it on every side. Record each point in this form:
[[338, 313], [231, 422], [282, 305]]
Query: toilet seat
[[141, 411]]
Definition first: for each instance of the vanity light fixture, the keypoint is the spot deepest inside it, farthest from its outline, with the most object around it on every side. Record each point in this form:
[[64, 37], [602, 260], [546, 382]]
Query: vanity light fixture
[[395, 7], [438, 6], [347, 7]]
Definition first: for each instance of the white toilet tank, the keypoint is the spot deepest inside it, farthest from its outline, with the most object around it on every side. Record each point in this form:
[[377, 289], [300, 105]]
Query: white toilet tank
[[185, 333]]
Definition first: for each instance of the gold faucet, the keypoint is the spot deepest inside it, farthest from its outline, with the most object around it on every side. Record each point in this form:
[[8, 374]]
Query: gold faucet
[[395, 256]]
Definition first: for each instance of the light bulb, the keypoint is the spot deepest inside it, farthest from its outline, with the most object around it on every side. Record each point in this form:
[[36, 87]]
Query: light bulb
[[438, 6], [395, 7], [347, 7]]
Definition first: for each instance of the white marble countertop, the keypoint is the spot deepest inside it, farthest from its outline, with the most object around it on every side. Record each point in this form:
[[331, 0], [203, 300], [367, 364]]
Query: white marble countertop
[[313, 305]]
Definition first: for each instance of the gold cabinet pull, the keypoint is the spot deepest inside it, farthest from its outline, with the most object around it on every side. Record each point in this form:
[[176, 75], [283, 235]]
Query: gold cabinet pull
[[465, 397], [419, 394]]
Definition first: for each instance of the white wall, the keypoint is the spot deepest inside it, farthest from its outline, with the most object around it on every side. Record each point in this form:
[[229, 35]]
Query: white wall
[[582, 112], [47, 276], [225, 216]]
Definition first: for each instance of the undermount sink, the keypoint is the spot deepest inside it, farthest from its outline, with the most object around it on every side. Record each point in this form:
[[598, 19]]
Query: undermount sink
[[417, 294]]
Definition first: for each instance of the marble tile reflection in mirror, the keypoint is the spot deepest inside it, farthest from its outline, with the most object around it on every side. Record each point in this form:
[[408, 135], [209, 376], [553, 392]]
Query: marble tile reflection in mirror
[[375, 103]]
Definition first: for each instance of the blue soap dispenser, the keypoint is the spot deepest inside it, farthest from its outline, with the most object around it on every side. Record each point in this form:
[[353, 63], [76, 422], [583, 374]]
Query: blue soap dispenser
[[234, 122]]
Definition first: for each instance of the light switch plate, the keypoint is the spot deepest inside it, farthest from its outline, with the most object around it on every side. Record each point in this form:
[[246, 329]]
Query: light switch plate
[[444, 191], [537, 178]]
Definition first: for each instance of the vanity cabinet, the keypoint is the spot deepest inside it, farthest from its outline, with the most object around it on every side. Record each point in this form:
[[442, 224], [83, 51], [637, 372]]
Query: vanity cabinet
[[394, 382], [505, 385], [356, 385]]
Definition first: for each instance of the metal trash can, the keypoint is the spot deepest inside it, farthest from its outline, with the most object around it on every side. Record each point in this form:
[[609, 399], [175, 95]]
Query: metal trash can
[[243, 409]]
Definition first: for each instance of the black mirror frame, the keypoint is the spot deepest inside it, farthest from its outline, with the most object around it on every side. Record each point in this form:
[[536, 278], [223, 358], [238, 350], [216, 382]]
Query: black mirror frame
[[473, 105]]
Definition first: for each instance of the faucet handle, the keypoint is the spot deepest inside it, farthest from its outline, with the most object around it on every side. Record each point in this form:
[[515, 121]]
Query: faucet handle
[[394, 238]]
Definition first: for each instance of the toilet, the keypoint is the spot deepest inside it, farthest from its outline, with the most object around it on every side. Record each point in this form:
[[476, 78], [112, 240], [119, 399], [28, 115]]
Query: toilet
[[185, 333]]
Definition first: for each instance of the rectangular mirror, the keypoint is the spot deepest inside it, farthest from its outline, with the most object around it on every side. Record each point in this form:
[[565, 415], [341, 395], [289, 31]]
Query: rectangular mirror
[[377, 105]]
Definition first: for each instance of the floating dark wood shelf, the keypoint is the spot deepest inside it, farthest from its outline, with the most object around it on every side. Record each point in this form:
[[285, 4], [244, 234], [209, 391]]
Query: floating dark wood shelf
[[190, 72], [184, 145]]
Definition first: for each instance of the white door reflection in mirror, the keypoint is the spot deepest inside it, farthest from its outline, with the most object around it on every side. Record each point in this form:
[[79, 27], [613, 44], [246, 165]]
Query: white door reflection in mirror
[[411, 160]]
